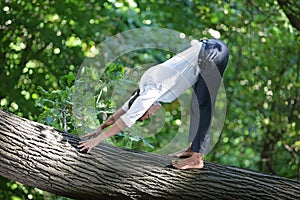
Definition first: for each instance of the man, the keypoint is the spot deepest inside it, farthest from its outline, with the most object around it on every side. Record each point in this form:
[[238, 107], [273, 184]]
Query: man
[[201, 66]]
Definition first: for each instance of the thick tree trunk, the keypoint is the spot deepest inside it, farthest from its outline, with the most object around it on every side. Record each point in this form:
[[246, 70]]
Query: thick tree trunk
[[43, 157]]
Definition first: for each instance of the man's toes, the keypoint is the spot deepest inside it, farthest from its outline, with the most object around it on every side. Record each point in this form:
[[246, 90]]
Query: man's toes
[[178, 164], [177, 167], [175, 161], [187, 164], [184, 167]]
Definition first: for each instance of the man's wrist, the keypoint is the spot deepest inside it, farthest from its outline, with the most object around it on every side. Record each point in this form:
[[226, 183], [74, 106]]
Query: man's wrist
[[101, 137], [98, 130]]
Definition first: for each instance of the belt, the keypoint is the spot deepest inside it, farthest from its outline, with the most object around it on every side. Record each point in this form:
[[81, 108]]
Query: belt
[[201, 55], [204, 43]]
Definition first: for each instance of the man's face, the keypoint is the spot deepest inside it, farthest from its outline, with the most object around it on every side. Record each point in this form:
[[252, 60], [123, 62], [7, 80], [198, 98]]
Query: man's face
[[150, 112]]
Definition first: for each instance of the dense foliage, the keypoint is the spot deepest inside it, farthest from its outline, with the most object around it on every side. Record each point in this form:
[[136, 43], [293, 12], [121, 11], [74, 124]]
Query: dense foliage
[[43, 44]]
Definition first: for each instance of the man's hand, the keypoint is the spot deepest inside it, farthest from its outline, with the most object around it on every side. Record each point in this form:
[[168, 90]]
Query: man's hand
[[90, 144], [113, 130], [92, 134]]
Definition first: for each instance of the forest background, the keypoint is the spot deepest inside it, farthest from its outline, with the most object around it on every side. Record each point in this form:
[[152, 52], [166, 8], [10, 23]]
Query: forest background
[[43, 44]]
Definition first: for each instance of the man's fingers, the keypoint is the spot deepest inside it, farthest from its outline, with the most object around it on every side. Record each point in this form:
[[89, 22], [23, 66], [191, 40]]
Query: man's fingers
[[83, 148], [89, 150], [87, 144], [84, 145], [81, 143]]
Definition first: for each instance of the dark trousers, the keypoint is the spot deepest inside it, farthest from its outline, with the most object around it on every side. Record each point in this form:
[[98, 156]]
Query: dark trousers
[[213, 58]]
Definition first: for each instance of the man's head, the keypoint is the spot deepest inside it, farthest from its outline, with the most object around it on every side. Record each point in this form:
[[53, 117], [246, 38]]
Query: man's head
[[150, 112]]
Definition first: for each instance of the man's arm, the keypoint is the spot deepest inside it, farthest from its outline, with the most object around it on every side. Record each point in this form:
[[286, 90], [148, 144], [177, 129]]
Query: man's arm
[[111, 120], [118, 126]]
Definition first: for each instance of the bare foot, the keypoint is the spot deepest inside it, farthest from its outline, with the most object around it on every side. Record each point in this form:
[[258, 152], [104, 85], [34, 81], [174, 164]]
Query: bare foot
[[193, 162], [184, 153]]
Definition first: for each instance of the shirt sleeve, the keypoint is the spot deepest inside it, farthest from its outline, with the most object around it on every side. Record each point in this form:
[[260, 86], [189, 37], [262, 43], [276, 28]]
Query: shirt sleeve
[[125, 105], [142, 103]]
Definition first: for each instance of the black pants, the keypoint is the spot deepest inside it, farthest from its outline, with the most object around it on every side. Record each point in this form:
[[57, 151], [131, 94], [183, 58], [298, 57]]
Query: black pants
[[213, 60]]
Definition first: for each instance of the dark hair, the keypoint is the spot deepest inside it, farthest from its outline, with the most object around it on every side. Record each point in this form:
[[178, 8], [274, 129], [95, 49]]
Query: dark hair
[[136, 94]]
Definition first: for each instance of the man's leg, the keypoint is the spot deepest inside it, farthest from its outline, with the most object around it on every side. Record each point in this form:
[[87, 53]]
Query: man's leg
[[200, 113], [199, 128], [206, 89]]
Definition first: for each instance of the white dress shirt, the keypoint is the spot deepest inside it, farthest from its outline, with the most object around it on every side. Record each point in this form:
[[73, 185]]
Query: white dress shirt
[[165, 82]]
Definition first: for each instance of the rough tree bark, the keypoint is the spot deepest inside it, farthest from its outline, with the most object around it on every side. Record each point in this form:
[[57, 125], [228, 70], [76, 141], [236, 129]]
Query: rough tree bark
[[43, 157]]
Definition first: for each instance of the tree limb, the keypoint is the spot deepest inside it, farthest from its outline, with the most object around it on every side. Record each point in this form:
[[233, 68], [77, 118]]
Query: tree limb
[[43, 157], [292, 16]]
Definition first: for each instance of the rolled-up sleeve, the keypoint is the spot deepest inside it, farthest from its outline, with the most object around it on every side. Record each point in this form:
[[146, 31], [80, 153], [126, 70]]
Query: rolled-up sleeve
[[142, 103], [125, 105]]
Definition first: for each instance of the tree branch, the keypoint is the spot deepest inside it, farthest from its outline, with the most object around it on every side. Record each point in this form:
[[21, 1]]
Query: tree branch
[[292, 16], [41, 156]]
